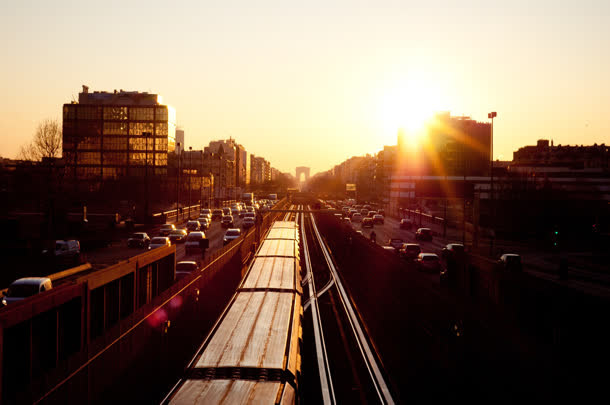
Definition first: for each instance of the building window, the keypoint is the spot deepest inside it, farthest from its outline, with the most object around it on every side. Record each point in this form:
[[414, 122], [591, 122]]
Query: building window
[[115, 128], [88, 158], [69, 112], [161, 114], [88, 113], [141, 114], [141, 143], [88, 142], [137, 128], [114, 158], [161, 144], [161, 159], [115, 113], [161, 129]]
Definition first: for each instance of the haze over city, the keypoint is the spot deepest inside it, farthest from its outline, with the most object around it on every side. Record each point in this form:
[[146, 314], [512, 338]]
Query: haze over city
[[313, 84]]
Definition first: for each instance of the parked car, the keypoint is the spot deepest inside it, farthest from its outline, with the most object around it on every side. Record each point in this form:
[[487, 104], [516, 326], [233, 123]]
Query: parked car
[[231, 235], [159, 241], [166, 229], [178, 236], [410, 251], [217, 215], [192, 242], [26, 287], [247, 222], [185, 268], [227, 221], [378, 219], [396, 243], [423, 234], [139, 239], [511, 262], [192, 226], [429, 262], [405, 223], [452, 250]]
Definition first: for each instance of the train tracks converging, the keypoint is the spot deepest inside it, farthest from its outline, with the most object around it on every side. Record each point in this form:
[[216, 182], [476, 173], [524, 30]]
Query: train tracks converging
[[347, 365]]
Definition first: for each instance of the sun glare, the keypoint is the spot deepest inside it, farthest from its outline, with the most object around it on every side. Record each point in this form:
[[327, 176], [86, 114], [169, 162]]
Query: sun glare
[[408, 107]]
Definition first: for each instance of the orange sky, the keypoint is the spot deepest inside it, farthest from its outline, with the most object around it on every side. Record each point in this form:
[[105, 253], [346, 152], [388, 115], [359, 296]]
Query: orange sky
[[313, 84]]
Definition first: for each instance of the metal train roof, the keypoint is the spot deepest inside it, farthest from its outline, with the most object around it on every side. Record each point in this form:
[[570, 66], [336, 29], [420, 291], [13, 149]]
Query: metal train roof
[[279, 273], [231, 391]]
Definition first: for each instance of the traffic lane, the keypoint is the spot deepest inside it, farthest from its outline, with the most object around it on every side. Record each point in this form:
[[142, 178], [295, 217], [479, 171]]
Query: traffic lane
[[215, 234]]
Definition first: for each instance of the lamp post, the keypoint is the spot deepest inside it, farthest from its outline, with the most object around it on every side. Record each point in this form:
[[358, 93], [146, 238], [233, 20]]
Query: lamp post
[[190, 176], [201, 177], [178, 182], [146, 136], [491, 116]]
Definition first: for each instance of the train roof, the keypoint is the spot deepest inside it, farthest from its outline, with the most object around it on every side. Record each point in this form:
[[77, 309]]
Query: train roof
[[283, 233], [234, 392], [284, 224], [279, 247], [256, 332], [273, 273]]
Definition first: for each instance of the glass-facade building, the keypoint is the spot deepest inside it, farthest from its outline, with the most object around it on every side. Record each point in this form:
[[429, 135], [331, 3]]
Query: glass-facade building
[[107, 136]]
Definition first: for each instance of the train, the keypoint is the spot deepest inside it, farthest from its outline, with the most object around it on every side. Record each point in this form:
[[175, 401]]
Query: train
[[253, 352]]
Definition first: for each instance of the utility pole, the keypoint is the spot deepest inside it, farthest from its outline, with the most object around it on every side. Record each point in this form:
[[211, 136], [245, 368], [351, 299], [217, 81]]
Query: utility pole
[[178, 183], [190, 176], [147, 136], [491, 115]]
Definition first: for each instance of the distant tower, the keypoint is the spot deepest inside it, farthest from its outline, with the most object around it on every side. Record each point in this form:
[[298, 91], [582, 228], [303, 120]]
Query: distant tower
[[179, 139]]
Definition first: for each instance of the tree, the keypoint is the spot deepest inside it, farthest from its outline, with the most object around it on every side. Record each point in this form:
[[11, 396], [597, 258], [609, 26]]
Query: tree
[[47, 142]]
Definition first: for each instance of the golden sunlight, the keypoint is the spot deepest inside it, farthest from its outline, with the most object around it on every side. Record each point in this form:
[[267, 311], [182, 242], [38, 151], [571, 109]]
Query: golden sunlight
[[407, 107]]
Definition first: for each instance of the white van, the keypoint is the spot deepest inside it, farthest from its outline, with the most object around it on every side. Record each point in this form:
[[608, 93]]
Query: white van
[[26, 287]]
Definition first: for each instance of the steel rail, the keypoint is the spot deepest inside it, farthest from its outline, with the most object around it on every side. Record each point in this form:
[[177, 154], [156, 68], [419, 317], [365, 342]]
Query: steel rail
[[326, 384], [368, 355]]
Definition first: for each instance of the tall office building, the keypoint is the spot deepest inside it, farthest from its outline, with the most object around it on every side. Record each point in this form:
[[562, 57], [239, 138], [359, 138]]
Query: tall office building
[[113, 135]]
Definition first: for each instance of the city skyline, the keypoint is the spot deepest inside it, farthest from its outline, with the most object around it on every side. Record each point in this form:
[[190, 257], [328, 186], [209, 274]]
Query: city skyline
[[337, 82]]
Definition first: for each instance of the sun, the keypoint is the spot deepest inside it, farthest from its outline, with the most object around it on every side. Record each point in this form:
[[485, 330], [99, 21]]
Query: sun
[[407, 107]]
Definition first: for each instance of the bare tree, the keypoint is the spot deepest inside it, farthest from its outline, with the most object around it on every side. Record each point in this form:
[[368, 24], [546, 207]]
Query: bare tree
[[47, 142]]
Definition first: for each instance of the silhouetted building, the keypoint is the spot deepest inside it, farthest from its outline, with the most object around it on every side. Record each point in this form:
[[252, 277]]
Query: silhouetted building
[[179, 140], [549, 158], [113, 135]]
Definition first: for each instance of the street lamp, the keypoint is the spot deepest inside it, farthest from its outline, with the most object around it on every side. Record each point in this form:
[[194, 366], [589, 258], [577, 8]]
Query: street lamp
[[201, 177], [178, 181], [491, 116], [190, 176], [146, 136]]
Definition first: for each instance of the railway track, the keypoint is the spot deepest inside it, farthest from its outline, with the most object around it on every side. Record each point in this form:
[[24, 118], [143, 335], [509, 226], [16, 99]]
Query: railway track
[[344, 365]]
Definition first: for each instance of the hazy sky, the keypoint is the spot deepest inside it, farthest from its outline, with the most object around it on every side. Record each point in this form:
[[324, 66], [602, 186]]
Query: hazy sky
[[313, 83]]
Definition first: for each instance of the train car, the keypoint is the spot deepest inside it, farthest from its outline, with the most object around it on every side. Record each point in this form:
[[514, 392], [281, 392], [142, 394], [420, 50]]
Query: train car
[[253, 352]]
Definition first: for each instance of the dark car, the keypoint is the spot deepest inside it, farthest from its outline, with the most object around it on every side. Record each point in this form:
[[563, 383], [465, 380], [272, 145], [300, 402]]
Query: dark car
[[185, 268], [217, 215], [178, 236], [166, 229], [511, 262], [396, 243], [138, 239], [227, 221], [378, 219], [405, 223], [452, 250], [429, 262], [423, 234], [409, 251], [367, 222]]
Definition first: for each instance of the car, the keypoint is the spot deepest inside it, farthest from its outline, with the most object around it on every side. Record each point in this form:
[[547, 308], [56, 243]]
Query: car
[[166, 229], [389, 249], [396, 243], [429, 262], [178, 236], [65, 251], [378, 219], [138, 239], [205, 224], [226, 211], [227, 221], [452, 250], [367, 223], [159, 241], [405, 223], [371, 213], [423, 234], [192, 241], [235, 210], [206, 212], [346, 222], [203, 218], [192, 226], [248, 222], [511, 262], [364, 212], [409, 251], [184, 268], [217, 215], [231, 235], [356, 217], [26, 287]]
